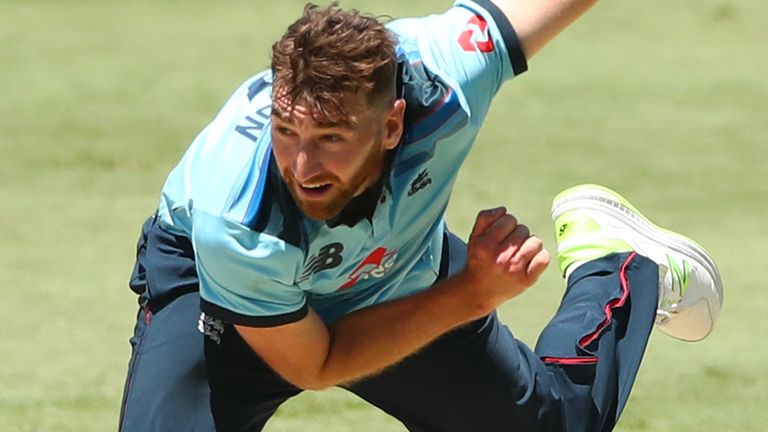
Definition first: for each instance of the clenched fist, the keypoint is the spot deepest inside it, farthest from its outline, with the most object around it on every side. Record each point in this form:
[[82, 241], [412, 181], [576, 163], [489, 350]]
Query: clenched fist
[[503, 258]]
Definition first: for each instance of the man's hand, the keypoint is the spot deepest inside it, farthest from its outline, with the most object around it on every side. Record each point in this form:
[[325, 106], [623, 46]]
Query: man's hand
[[503, 258]]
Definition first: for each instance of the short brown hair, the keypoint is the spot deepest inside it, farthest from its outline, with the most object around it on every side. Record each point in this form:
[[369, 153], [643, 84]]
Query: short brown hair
[[329, 53]]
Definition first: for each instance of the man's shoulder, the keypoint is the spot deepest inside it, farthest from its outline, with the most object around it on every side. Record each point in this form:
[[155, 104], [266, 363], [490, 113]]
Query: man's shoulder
[[222, 243], [425, 92], [434, 112], [259, 88], [261, 206], [277, 215]]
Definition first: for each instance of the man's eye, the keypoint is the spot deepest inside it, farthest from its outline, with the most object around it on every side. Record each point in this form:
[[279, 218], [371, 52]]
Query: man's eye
[[284, 131], [333, 138]]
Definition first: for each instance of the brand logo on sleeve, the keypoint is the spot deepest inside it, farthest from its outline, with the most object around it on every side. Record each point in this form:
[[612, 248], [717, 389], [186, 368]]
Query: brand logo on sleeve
[[476, 38], [376, 265]]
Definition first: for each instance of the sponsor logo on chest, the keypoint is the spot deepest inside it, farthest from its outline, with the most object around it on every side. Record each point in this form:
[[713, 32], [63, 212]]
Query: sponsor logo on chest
[[376, 265]]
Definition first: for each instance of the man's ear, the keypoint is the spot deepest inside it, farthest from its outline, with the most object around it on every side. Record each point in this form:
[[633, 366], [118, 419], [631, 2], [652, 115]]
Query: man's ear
[[393, 126]]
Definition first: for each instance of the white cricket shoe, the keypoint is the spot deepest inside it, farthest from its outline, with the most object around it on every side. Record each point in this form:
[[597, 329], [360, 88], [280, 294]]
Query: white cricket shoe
[[593, 221]]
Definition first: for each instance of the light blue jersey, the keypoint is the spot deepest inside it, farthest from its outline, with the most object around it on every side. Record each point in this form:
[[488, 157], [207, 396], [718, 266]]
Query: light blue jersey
[[261, 262]]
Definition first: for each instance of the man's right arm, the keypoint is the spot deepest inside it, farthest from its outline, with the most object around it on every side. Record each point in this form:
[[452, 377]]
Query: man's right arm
[[503, 260], [313, 356], [536, 23]]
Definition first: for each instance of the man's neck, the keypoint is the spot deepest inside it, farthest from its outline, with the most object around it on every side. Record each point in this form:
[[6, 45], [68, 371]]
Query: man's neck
[[364, 204]]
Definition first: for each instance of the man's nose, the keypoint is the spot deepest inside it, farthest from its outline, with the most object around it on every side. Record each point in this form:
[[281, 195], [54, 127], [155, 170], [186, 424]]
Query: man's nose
[[306, 163]]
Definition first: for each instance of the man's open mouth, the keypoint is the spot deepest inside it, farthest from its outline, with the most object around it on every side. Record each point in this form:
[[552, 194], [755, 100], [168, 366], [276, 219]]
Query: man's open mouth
[[315, 190]]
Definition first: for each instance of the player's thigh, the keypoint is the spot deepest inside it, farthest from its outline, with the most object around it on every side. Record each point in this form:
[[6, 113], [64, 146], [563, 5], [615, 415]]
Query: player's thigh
[[475, 378], [166, 388]]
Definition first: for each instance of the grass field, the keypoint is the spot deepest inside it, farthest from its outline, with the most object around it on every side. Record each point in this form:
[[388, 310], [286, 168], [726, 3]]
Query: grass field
[[665, 100]]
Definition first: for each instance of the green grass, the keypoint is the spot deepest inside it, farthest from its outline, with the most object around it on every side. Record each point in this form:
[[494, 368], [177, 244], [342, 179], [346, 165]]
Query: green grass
[[663, 100]]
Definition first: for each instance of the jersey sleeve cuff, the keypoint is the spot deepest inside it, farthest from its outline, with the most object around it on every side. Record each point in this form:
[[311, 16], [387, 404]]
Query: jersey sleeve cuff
[[511, 41], [253, 321]]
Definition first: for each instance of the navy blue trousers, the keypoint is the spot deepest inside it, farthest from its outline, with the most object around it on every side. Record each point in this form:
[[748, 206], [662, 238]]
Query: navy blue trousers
[[475, 378]]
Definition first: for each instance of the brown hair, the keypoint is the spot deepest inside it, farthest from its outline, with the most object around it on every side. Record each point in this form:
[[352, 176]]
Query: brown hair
[[330, 53]]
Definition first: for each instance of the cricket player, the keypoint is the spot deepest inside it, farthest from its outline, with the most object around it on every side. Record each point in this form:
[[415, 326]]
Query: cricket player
[[300, 243]]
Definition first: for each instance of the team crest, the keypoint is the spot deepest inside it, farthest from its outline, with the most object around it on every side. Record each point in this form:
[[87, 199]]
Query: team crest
[[476, 38]]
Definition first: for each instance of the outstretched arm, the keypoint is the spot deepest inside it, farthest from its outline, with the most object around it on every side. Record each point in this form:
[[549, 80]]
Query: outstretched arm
[[537, 22]]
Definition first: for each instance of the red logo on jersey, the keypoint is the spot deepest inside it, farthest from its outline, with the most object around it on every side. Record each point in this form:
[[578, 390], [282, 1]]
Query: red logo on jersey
[[377, 264], [475, 37]]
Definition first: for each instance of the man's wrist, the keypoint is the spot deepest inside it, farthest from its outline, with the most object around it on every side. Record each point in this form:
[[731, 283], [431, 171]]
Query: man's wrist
[[461, 297]]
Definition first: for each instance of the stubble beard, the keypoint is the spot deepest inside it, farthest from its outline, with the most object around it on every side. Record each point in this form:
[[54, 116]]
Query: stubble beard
[[343, 193]]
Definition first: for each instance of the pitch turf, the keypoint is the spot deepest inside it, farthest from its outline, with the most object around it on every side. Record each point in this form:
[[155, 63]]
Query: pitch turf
[[664, 101]]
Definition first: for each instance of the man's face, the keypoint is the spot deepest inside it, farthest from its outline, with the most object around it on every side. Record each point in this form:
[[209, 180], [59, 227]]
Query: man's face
[[326, 164]]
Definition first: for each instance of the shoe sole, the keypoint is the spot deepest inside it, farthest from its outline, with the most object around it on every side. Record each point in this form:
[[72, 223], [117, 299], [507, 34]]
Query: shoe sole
[[608, 202]]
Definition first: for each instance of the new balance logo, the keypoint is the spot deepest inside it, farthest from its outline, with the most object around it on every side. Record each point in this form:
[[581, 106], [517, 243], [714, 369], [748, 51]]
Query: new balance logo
[[420, 182], [328, 257]]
